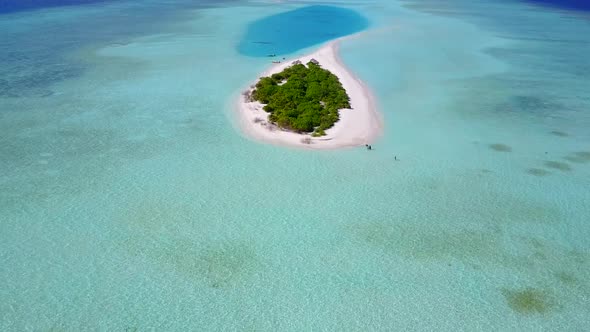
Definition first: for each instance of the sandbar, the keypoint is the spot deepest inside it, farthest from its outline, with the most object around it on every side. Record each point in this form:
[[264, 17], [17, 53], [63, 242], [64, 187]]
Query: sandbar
[[357, 126]]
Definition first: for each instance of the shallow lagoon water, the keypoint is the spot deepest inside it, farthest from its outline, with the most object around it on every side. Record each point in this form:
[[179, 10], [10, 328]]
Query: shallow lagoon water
[[130, 201]]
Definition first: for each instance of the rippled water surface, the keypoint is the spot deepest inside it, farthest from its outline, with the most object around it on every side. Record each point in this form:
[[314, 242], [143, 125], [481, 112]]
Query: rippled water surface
[[130, 201]]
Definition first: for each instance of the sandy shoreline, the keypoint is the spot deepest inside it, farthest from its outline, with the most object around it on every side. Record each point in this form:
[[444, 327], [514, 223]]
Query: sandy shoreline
[[357, 126]]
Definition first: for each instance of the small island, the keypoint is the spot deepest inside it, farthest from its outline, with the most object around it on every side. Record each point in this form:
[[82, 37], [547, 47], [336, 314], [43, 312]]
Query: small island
[[312, 101], [303, 99]]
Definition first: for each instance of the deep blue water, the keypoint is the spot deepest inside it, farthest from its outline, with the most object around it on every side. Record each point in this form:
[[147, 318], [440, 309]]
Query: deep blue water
[[569, 4], [8, 6], [11, 6], [290, 31]]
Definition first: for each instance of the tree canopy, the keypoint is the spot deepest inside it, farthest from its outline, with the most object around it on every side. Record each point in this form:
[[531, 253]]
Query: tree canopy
[[302, 98]]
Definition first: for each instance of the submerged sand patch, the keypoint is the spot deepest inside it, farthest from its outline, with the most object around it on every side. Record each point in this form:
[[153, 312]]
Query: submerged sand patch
[[500, 147], [538, 172], [558, 165], [528, 301]]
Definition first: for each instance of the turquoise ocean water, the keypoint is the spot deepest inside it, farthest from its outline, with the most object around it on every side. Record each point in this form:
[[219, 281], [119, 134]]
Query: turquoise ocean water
[[130, 201], [296, 29]]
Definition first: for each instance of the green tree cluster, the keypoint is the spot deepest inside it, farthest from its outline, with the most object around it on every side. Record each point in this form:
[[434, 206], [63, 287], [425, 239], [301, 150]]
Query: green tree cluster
[[302, 98]]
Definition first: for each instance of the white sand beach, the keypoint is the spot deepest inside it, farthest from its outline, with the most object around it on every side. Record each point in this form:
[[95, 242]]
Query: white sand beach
[[357, 126]]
